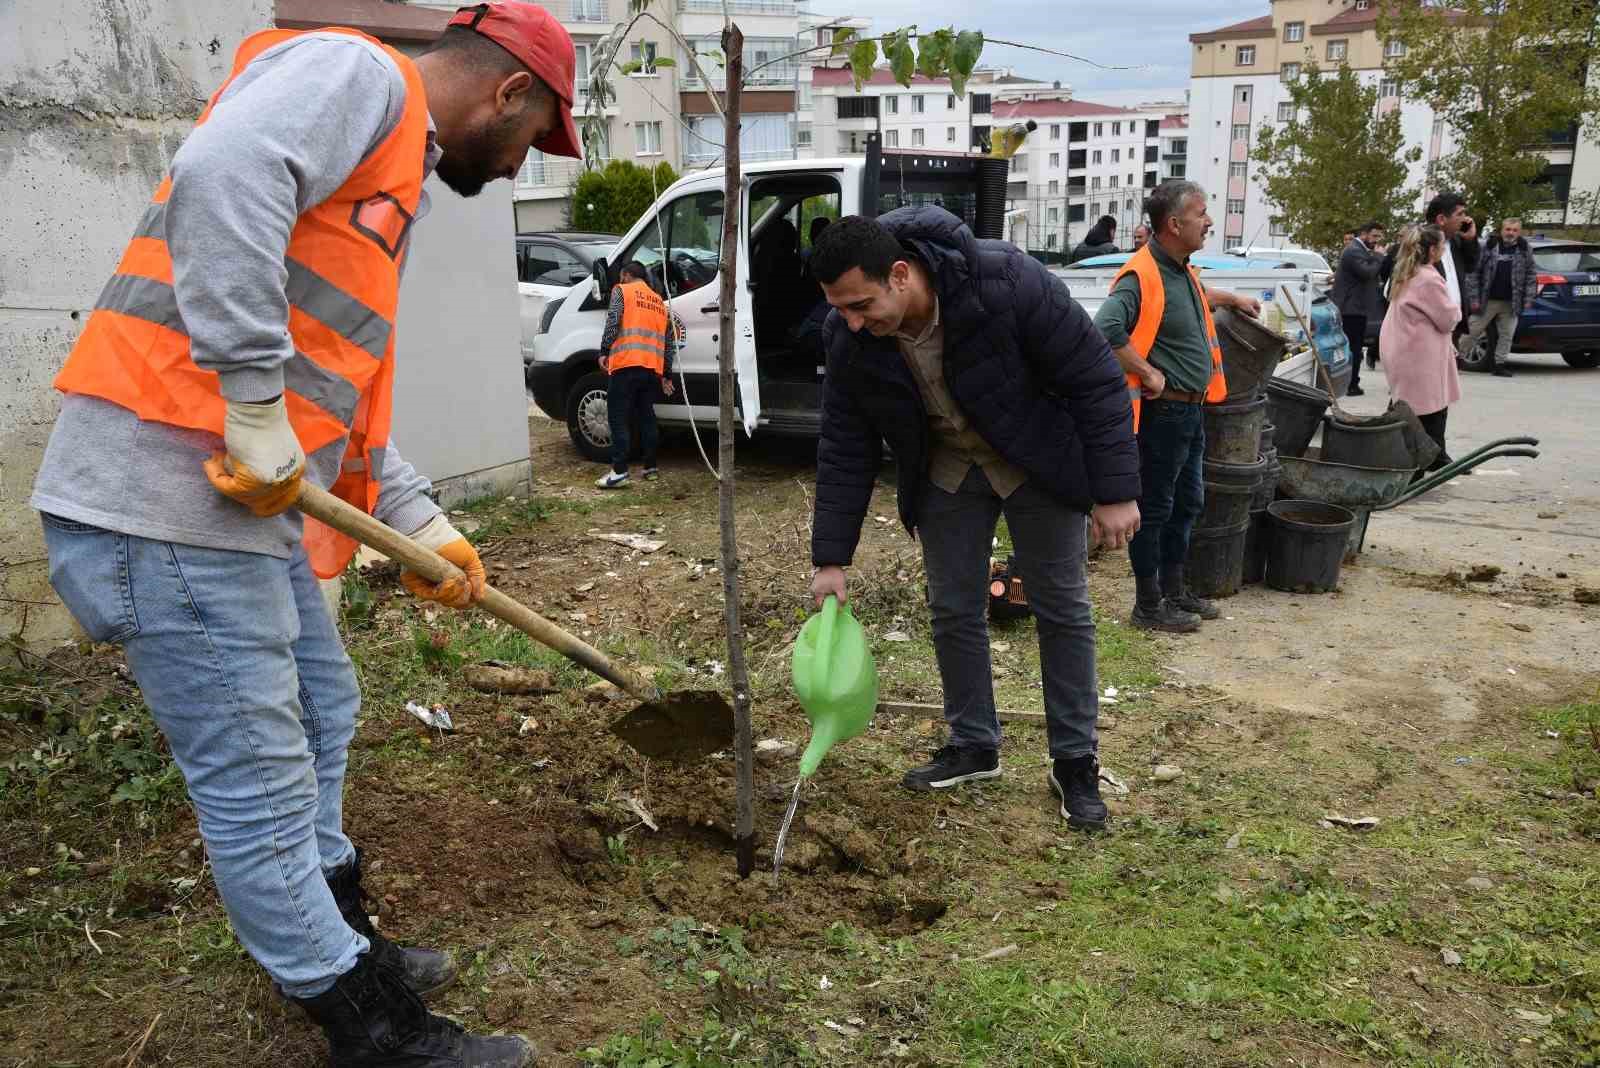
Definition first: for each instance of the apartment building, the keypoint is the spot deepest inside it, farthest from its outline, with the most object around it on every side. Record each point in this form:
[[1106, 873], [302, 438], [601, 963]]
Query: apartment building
[[1175, 147], [927, 115], [1239, 82]]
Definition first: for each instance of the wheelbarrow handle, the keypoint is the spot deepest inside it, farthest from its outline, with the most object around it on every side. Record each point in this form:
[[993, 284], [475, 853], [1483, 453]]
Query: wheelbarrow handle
[[1445, 474]]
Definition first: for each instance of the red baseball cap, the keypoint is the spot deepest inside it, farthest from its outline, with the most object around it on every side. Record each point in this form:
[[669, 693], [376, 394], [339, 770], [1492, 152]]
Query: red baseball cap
[[533, 35]]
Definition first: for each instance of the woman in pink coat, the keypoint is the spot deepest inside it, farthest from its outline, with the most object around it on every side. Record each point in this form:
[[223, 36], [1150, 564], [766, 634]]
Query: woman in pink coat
[[1418, 356]]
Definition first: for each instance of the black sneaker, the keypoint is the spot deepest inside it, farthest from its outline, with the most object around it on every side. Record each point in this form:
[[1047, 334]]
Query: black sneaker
[[1167, 618], [953, 765], [1077, 784], [1502, 371], [1355, 391], [1194, 604]]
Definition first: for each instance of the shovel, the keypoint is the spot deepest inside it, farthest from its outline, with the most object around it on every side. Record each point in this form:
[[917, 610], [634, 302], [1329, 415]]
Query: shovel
[[683, 726]]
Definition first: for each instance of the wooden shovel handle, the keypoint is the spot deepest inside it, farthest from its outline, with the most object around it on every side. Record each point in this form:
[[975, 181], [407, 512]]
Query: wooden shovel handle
[[349, 520]]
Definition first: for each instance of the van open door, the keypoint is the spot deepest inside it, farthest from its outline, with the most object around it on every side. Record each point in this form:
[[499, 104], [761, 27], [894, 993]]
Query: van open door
[[744, 324]]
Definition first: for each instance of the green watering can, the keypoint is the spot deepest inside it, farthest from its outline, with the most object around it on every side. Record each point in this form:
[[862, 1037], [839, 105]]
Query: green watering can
[[835, 679]]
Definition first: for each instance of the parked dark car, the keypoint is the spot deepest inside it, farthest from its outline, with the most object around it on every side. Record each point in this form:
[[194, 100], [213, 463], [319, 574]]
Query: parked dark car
[[559, 258], [1565, 316]]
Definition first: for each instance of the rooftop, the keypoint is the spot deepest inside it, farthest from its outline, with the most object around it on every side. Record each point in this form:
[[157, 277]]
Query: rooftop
[[1255, 27], [1055, 109]]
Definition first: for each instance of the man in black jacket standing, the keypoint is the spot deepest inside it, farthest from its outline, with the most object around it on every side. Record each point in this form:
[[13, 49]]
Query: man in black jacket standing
[[1504, 286], [1355, 293], [1448, 211], [997, 396]]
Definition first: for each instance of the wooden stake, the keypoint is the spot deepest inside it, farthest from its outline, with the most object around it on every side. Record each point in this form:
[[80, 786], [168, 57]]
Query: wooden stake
[[744, 829]]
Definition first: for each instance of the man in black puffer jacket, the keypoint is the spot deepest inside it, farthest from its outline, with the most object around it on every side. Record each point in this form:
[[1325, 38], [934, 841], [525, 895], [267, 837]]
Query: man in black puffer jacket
[[997, 395]]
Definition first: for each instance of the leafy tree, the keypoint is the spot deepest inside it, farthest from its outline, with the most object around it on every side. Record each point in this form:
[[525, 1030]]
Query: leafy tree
[[612, 199], [1505, 75], [1338, 163]]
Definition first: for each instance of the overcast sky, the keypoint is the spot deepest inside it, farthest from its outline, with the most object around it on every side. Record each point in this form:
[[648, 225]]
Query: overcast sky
[[1151, 36]]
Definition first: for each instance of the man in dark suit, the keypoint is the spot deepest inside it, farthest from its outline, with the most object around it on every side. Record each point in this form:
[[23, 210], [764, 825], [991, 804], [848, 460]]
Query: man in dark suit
[[1355, 292], [1448, 211]]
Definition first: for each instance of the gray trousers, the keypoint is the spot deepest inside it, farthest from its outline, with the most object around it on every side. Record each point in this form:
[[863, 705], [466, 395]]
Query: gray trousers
[[1503, 314], [1051, 540]]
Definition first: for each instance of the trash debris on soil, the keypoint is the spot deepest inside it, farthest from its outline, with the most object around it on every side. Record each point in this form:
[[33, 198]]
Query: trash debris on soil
[[1234, 839], [636, 542], [844, 1029], [1462, 761], [1537, 1019], [1358, 823], [824, 983], [1482, 573], [1166, 772], [998, 953], [1478, 882], [1110, 778], [528, 726], [497, 676], [1586, 595], [1449, 957], [436, 717], [639, 810], [1549, 515], [896, 636]]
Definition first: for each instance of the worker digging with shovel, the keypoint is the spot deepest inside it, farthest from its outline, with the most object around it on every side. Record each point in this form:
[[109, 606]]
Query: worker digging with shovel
[[244, 344]]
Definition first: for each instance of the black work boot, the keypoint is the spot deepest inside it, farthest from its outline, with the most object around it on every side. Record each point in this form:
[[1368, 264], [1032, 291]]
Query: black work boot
[[1181, 597], [1152, 611], [951, 765], [1077, 783], [425, 970], [373, 1020]]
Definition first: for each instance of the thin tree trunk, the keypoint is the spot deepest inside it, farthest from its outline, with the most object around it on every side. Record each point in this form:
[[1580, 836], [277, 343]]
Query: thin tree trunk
[[727, 387]]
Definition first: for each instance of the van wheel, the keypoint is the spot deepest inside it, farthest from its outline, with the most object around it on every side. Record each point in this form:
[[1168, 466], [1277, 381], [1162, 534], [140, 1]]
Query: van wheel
[[1585, 360], [587, 422]]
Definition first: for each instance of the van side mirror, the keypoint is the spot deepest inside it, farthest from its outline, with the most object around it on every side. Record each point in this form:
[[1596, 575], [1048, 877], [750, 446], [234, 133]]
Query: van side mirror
[[601, 272]]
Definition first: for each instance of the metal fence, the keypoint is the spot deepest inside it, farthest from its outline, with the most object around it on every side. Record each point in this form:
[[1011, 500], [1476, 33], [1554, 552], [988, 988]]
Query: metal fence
[[739, 7], [544, 175]]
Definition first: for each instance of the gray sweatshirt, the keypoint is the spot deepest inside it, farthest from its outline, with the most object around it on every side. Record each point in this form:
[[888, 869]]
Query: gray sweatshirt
[[288, 132]]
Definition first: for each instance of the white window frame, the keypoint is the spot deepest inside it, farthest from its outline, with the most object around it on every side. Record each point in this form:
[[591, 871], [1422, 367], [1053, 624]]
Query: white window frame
[[1363, 5], [918, 137], [1099, 129], [1289, 72], [1055, 160], [1388, 88], [1235, 201], [1278, 229], [1394, 49], [1241, 94], [642, 132], [1241, 126], [1053, 216], [1294, 32], [1094, 184], [1055, 131], [1342, 46], [645, 53], [950, 102], [919, 104], [1236, 170], [1112, 184], [891, 103], [1245, 56], [802, 135], [949, 135], [1097, 157], [1116, 155], [1055, 187], [1286, 111], [891, 139]]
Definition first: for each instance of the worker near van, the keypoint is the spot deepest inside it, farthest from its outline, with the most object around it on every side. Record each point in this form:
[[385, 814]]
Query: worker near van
[[636, 350], [996, 396], [245, 345], [1158, 321]]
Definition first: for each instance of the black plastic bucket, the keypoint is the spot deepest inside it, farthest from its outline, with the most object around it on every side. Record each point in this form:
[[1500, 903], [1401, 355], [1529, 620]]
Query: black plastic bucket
[[1246, 475], [1227, 505], [1255, 539], [1305, 545], [1250, 352], [1233, 430], [1295, 411], [1215, 567], [1370, 444]]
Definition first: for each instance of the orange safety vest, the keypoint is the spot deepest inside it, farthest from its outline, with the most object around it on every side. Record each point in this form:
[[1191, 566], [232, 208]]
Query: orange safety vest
[[343, 289], [1152, 304], [642, 337]]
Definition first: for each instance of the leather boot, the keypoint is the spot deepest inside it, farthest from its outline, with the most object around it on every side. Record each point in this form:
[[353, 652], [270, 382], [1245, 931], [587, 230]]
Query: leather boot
[[1184, 599], [1152, 611], [425, 970], [373, 1020]]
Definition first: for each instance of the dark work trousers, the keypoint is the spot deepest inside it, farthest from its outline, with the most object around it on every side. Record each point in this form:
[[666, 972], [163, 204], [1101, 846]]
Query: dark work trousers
[[1434, 423], [631, 395], [1051, 541], [1355, 331], [1172, 448]]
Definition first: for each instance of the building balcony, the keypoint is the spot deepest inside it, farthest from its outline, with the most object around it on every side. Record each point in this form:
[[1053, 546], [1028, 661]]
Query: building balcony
[[549, 178], [740, 7], [704, 155], [1169, 156], [778, 76], [595, 12]]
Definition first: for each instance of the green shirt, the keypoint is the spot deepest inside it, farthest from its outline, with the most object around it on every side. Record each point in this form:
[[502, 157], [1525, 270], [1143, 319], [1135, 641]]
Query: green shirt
[[1181, 350]]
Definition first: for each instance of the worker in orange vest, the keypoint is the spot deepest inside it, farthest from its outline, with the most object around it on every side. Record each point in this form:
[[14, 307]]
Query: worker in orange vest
[[245, 344], [636, 351], [1158, 321]]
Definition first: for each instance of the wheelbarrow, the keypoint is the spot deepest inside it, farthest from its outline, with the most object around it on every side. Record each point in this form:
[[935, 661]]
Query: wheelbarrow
[[1497, 449]]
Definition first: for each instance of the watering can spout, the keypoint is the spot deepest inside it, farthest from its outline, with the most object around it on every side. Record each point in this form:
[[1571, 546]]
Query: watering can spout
[[835, 680]]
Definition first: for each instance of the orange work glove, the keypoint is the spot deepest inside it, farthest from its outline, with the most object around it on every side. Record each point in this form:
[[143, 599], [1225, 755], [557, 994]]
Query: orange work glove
[[445, 540], [263, 463]]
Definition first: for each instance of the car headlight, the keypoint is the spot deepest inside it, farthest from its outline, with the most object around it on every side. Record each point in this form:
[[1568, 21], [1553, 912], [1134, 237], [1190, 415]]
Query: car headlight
[[549, 315]]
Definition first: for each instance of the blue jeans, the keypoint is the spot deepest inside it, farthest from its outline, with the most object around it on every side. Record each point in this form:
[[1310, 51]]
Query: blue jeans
[[631, 395], [244, 672], [1172, 450], [1051, 540]]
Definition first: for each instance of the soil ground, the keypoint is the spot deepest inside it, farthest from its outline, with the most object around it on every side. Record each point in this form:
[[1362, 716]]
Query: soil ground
[[1224, 921]]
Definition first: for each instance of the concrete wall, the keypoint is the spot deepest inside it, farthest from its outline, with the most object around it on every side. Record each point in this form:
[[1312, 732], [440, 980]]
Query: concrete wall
[[95, 97]]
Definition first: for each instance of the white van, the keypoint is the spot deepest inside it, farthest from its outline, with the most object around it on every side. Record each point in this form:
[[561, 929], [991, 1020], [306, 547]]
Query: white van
[[779, 368]]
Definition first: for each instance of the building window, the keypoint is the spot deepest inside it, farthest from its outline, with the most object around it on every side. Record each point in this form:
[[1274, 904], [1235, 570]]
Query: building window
[[1338, 50], [950, 135], [1235, 207], [1055, 160], [1180, 170], [891, 138], [950, 102], [647, 138], [1388, 88], [1097, 157], [644, 54], [894, 104], [1241, 131], [1294, 32], [1099, 129], [1245, 56], [1054, 215], [1393, 49], [1055, 131], [1130, 179], [1286, 111], [982, 103], [1180, 146], [1113, 182], [1289, 71], [1116, 129], [1241, 94], [1438, 129], [1363, 5], [857, 107], [1074, 213], [917, 140], [1055, 188], [1094, 184], [1094, 209], [1278, 228], [802, 135], [1116, 155], [919, 104], [1236, 170], [1050, 239]]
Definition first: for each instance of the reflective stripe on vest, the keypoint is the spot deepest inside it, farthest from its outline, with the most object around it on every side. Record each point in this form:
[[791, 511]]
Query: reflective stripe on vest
[[342, 286], [1152, 306], [642, 337]]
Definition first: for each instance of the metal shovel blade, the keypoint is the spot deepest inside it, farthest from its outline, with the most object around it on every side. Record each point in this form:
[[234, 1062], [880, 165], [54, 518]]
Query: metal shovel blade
[[685, 726]]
